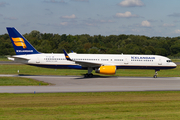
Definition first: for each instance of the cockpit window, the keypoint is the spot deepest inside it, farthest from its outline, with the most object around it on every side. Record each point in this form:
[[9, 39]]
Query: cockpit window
[[168, 61]]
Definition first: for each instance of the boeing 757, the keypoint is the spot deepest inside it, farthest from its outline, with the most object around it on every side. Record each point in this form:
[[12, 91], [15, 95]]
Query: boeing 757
[[101, 63]]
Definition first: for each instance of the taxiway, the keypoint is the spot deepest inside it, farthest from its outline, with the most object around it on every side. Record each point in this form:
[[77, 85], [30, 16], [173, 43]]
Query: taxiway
[[95, 84]]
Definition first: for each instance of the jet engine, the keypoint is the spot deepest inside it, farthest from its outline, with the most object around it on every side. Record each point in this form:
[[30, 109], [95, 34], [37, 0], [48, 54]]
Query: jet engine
[[109, 70]]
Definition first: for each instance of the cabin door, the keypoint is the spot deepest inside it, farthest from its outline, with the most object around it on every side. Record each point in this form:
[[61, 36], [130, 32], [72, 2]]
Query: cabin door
[[37, 59], [159, 62], [125, 61]]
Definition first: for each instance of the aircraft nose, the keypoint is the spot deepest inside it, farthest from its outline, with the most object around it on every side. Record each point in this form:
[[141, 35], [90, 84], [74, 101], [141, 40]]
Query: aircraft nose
[[174, 64]]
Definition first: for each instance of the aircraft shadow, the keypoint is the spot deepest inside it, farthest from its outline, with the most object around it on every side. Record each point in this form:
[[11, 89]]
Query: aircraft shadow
[[28, 75], [77, 77], [94, 76]]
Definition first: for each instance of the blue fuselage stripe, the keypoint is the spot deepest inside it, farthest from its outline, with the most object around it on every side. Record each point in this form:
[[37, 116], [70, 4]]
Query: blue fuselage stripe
[[58, 66], [117, 67]]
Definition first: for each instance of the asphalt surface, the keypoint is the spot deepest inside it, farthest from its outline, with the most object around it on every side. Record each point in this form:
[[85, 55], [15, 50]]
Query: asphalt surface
[[95, 84], [8, 63]]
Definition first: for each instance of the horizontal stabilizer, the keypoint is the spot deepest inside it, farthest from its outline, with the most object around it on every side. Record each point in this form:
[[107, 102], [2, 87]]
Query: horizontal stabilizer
[[18, 57], [10, 58]]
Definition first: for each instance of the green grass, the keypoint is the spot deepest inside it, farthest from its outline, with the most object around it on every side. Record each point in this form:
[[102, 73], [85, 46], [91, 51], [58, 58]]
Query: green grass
[[31, 70], [19, 81], [175, 60], [149, 73], [89, 106], [4, 58]]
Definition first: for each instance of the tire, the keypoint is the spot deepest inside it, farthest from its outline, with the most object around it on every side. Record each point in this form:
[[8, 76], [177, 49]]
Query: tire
[[86, 75], [90, 75], [155, 76]]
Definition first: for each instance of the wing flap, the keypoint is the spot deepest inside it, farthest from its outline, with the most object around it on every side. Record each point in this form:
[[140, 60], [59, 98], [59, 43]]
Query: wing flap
[[87, 64]]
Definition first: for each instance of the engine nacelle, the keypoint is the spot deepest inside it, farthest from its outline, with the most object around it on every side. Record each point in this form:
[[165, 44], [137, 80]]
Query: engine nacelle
[[109, 70]]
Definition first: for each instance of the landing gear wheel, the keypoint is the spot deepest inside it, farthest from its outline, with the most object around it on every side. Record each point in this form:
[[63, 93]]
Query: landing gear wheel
[[88, 75], [155, 76], [91, 75]]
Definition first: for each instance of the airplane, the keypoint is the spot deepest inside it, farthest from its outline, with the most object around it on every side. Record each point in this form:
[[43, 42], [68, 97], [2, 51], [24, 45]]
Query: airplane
[[101, 63]]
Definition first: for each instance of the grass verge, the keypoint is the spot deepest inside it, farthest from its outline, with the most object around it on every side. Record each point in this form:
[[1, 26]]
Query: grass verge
[[31, 70], [4, 58], [175, 60], [19, 81], [111, 105]]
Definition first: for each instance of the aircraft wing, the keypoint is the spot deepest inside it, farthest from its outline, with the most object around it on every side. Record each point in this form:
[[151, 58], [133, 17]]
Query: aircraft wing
[[87, 64], [82, 63]]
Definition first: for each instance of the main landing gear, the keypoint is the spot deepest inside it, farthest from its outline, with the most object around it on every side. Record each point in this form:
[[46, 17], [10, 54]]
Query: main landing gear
[[155, 75], [89, 74]]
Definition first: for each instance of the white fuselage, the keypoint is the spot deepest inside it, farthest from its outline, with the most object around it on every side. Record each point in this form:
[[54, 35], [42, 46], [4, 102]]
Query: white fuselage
[[120, 61]]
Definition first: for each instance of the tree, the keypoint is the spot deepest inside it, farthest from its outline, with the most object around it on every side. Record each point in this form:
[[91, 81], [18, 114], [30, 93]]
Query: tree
[[161, 51], [35, 34], [94, 50], [148, 52], [175, 48], [127, 44]]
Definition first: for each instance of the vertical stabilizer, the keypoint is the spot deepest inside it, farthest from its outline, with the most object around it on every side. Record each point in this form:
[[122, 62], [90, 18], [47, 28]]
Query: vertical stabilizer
[[20, 44]]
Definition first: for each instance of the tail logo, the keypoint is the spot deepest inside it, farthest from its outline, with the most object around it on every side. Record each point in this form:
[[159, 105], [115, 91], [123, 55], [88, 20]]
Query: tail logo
[[67, 56], [19, 42]]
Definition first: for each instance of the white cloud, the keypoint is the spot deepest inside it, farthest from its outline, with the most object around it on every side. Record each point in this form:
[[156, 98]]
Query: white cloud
[[105, 21], [10, 18], [90, 24], [174, 15], [168, 25], [145, 23], [54, 1], [3, 4], [127, 14], [177, 31], [131, 3], [110, 21], [135, 30], [80, 0], [93, 22], [64, 23], [69, 17]]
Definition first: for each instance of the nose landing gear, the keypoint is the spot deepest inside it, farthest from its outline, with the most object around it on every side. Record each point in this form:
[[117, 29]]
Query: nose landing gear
[[155, 75]]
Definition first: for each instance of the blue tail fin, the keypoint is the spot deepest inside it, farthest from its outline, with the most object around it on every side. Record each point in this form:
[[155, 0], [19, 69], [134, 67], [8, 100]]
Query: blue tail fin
[[66, 55], [20, 44]]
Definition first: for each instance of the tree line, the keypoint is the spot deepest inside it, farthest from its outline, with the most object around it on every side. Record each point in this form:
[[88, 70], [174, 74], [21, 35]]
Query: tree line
[[97, 44]]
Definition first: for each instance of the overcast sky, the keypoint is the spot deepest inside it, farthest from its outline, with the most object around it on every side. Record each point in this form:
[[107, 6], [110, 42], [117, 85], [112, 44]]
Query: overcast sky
[[93, 17]]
